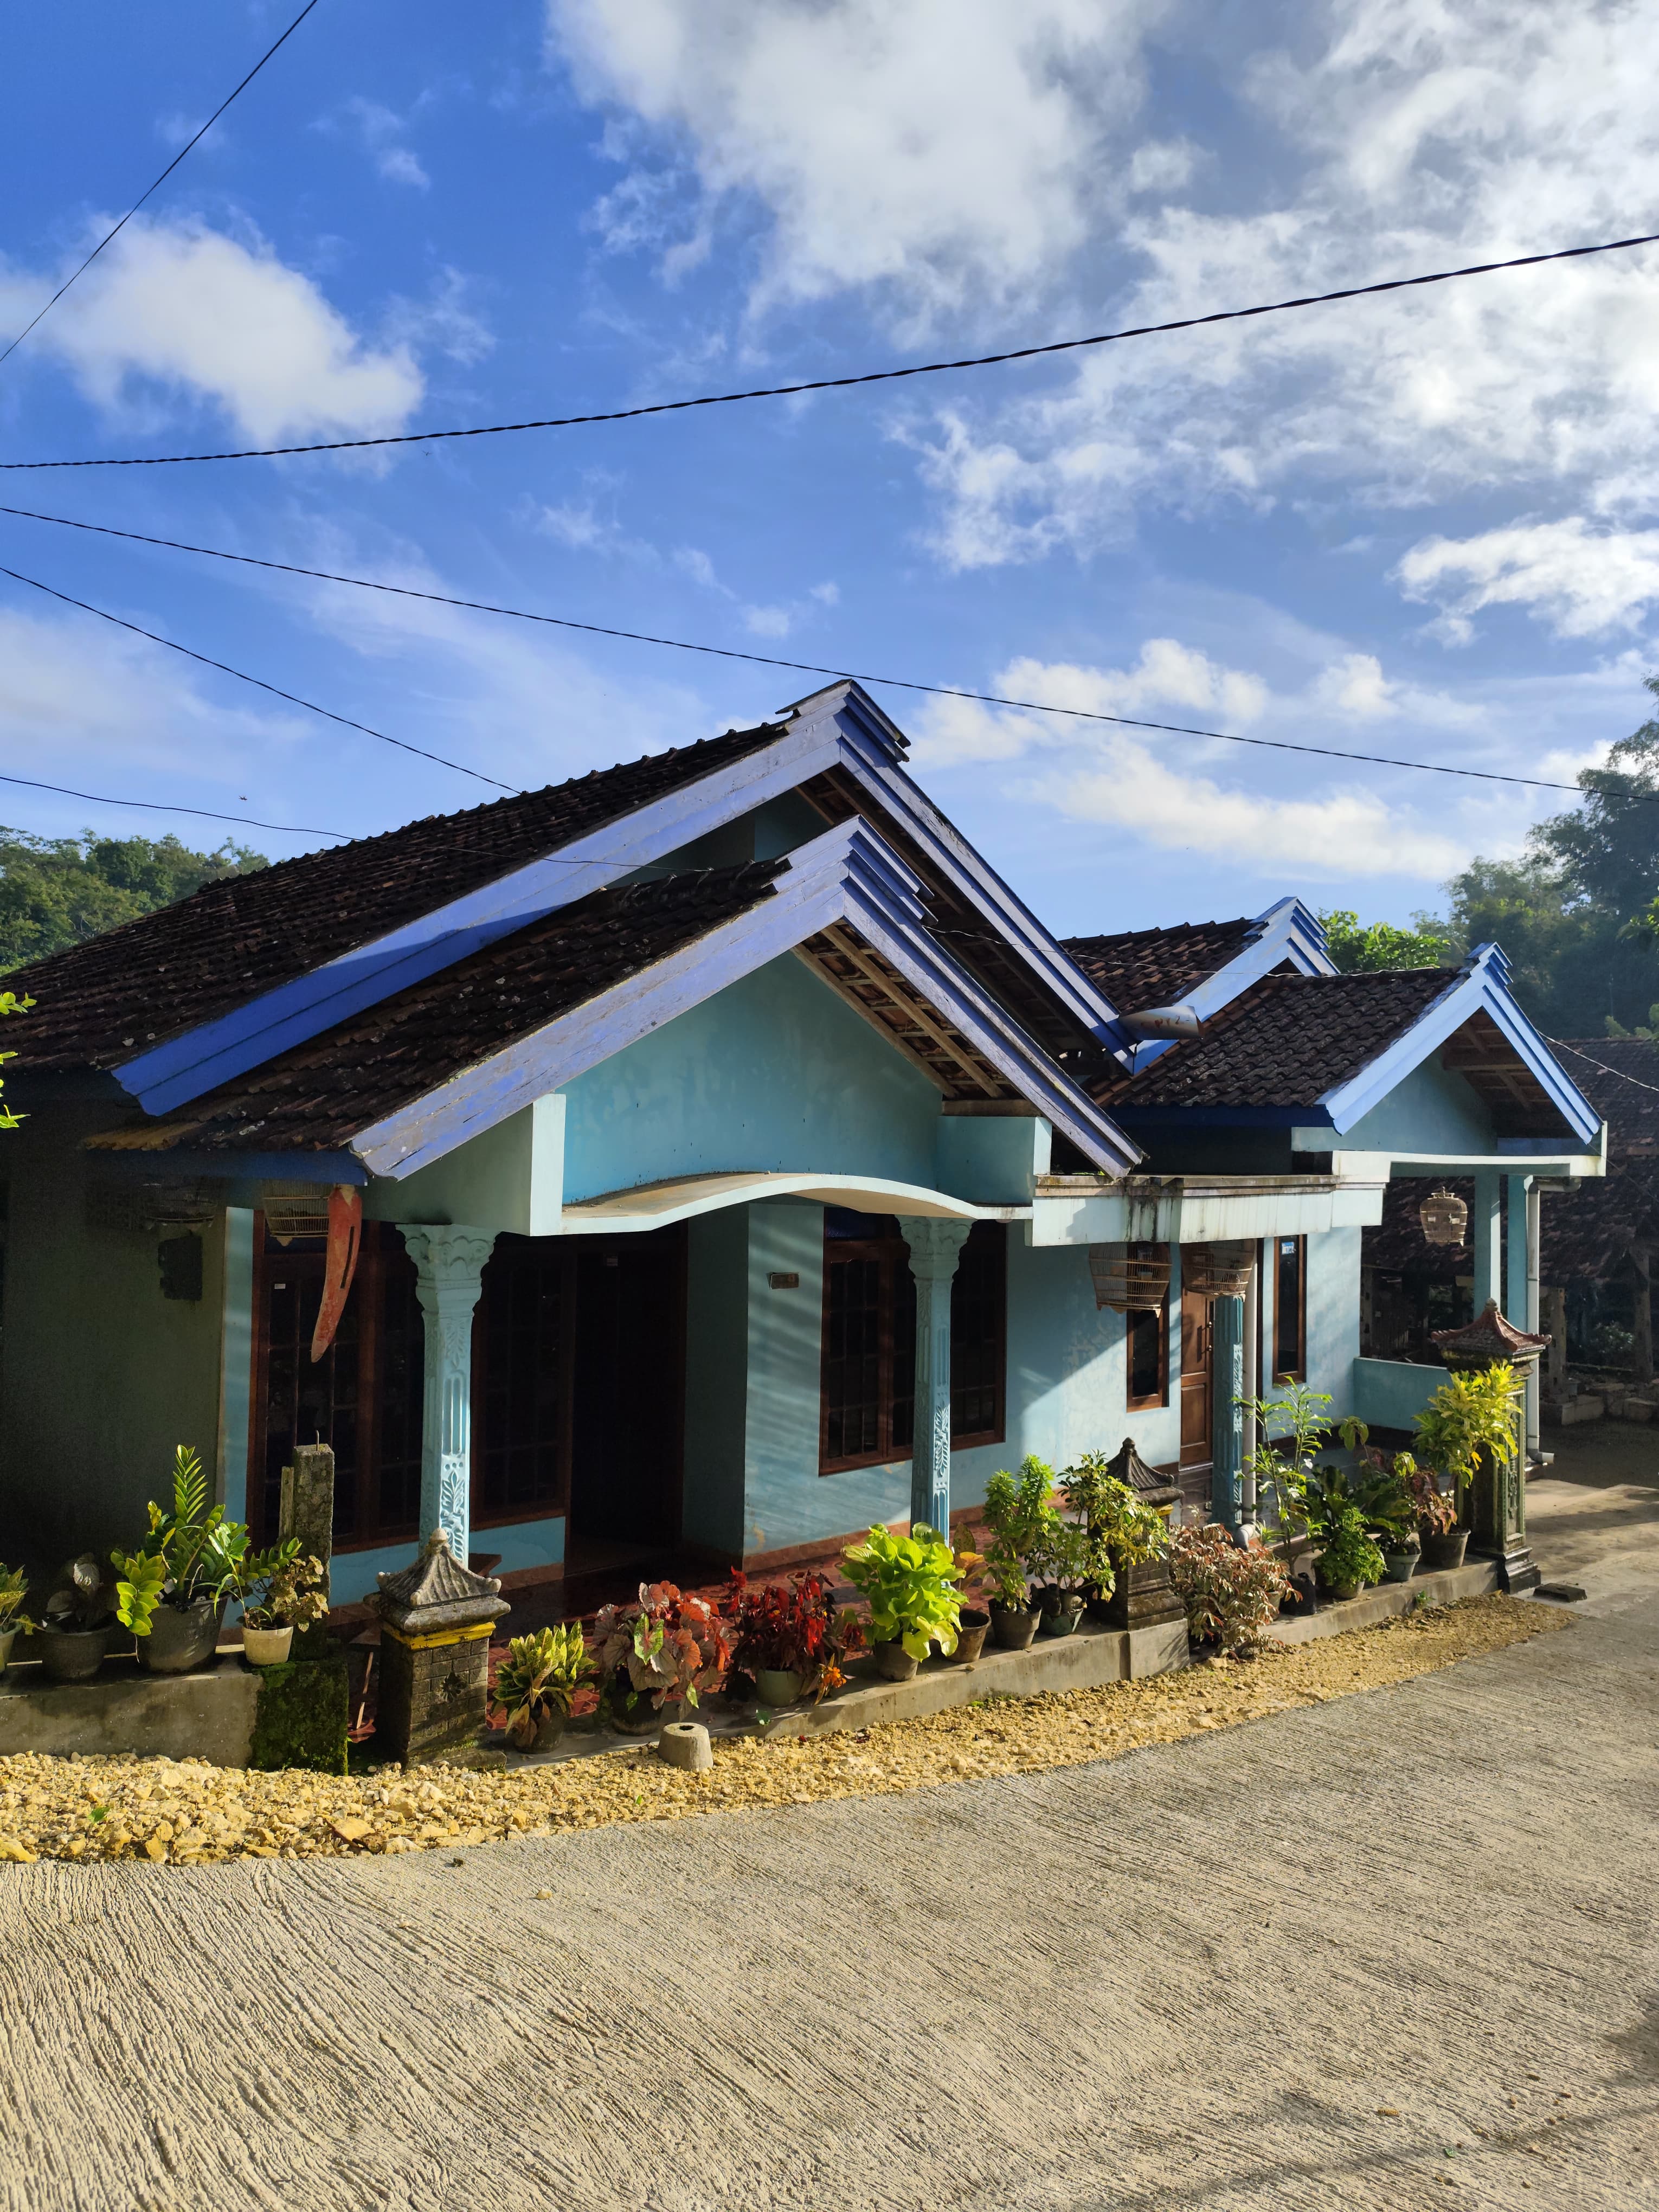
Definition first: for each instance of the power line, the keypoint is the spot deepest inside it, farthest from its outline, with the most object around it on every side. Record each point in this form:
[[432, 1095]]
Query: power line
[[242, 676], [159, 806], [160, 181], [868, 376], [801, 667], [1635, 1082]]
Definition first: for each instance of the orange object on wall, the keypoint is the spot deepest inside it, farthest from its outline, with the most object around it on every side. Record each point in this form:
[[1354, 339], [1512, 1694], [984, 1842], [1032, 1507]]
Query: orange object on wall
[[345, 1237]]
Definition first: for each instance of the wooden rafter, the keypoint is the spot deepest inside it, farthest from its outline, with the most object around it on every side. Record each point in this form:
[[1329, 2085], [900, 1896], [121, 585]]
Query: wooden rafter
[[858, 973]]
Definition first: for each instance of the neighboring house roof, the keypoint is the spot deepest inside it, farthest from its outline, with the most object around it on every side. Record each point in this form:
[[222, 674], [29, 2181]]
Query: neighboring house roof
[[1137, 968], [1619, 1076], [1588, 1230], [193, 962]]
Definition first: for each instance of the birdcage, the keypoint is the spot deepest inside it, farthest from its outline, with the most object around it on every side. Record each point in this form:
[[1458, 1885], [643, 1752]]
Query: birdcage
[[1130, 1277], [1444, 1217], [1221, 1270]]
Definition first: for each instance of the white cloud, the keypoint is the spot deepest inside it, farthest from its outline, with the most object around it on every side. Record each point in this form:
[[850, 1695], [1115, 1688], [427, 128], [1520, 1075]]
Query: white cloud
[[1169, 678], [952, 152], [1583, 582], [382, 134], [185, 308]]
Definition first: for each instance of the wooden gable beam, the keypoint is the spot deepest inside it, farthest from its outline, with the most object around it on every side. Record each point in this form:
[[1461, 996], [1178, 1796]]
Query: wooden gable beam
[[894, 986]]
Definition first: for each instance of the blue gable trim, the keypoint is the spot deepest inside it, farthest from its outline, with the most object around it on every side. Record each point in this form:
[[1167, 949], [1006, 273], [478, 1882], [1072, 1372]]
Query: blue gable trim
[[1480, 986], [849, 873], [1287, 932]]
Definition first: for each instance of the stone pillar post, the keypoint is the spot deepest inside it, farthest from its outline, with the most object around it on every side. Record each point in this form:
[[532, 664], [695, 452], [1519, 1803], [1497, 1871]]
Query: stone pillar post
[[1530, 1318], [1486, 1237], [1227, 1418], [935, 1249], [307, 1510], [1641, 1349], [449, 1264], [1499, 1494], [435, 1620]]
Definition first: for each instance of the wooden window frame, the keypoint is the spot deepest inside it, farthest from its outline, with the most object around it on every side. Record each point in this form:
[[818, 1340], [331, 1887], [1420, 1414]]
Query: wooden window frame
[[893, 1254], [1160, 1396], [1298, 1371]]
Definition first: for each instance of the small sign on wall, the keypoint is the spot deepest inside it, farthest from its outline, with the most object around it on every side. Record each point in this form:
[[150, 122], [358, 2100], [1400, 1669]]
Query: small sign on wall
[[784, 1282]]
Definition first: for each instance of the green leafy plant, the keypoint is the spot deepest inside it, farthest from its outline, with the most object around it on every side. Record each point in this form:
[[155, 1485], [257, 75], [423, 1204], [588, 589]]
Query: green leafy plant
[[1471, 1414], [1021, 1523], [1349, 1560], [1294, 1428], [1434, 1510], [668, 1646], [1376, 1496], [190, 1555], [1232, 1592], [542, 1674], [277, 1588], [11, 1004], [81, 1598], [1122, 1532], [14, 1589], [909, 1585]]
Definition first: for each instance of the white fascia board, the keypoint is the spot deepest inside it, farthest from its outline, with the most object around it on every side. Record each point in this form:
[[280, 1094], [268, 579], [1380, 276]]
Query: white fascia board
[[848, 873], [189, 1066], [1363, 1167], [684, 1198], [1208, 1210]]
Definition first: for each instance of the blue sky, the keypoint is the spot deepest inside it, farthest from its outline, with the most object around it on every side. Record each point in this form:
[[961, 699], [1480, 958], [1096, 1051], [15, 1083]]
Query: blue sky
[[1418, 526]]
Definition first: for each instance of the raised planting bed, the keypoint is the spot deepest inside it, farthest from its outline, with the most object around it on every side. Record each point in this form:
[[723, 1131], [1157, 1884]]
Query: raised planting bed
[[1388, 1600], [228, 1714]]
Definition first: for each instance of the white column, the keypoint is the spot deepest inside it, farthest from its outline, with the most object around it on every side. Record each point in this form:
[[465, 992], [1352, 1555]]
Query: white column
[[1486, 1237], [1535, 1222], [935, 1249], [1252, 1389], [449, 1264]]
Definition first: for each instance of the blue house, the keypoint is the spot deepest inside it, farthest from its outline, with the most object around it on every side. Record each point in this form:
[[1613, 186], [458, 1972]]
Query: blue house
[[716, 1156]]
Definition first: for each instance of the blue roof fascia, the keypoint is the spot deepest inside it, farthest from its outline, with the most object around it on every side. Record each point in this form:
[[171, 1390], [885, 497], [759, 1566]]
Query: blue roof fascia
[[1288, 931], [849, 873], [189, 1066], [1480, 986], [874, 750]]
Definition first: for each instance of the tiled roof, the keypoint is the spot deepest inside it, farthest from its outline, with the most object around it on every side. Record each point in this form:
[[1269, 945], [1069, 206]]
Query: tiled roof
[[228, 943], [1619, 1076], [1142, 968], [1285, 1041], [319, 1094]]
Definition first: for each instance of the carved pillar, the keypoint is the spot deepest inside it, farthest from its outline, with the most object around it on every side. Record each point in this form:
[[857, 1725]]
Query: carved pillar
[[1486, 1237], [1227, 1417], [935, 1249], [448, 1263], [1498, 1500]]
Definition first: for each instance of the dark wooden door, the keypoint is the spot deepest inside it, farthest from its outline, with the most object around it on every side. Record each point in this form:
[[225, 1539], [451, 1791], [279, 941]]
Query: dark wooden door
[[1195, 1405], [629, 1388]]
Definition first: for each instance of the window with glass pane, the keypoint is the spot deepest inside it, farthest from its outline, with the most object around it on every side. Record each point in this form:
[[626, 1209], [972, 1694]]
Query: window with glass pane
[[1290, 1308], [521, 1380], [1146, 1353]]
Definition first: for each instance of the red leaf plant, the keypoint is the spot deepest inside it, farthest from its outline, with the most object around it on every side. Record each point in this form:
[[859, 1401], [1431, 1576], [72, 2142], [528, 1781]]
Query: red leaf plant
[[669, 1645], [793, 1627]]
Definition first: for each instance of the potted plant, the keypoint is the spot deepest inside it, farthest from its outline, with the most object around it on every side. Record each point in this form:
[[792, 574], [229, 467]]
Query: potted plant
[[1348, 1560], [1016, 1514], [1123, 1532], [1060, 1558], [664, 1649], [1293, 1428], [789, 1637], [909, 1585], [1396, 1531], [14, 1621], [973, 1620], [173, 1589], [1232, 1592], [279, 1592], [79, 1620], [544, 1678], [1471, 1417]]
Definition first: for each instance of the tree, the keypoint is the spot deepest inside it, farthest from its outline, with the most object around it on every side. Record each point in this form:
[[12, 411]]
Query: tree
[[1361, 948], [58, 891]]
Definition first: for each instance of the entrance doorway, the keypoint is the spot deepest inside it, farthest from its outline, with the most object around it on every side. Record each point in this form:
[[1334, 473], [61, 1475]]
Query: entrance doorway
[[1196, 1409], [627, 1398]]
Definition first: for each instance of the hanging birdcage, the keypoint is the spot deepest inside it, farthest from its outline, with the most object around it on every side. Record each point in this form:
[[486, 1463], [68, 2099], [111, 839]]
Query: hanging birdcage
[[1444, 1217], [1220, 1270], [1130, 1277]]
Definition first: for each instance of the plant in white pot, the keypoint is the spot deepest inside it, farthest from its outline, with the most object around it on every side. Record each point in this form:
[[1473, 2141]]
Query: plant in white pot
[[279, 1592], [173, 1589], [14, 1621]]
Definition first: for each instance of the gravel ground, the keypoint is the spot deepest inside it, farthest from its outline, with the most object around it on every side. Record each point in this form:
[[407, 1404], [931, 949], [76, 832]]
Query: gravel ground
[[185, 1813], [1382, 1950]]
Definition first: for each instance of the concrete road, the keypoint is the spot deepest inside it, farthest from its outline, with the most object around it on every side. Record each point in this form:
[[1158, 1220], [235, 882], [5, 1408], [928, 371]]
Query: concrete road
[[1395, 1951]]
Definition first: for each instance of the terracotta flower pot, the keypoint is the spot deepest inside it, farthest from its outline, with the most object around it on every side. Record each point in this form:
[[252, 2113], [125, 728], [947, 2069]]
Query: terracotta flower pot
[[973, 1628], [897, 1664], [267, 1647], [1013, 1629], [1441, 1553], [777, 1686]]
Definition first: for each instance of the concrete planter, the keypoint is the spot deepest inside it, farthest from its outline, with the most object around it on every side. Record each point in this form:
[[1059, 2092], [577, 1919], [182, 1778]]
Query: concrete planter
[[7, 1638], [266, 1647], [72, 1655], [180, 1639], [895, 1663], [1013, 1629], [777, 1686], [1440, 1554]]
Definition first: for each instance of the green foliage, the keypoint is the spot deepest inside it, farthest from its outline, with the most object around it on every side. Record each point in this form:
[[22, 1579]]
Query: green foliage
[[1470, 1414], [58, 891], [11, 1004], [1294, 1428], [541, 1675], [81, 1597], [14, 1589], [302, 1715], [277, 1588], [1375, 1495], [190, 1553], [1349, 1560], [1232, 1592], [1121, 1531], [1433, 1509], [1021, 1522], [1360, 948], [909, 1585]]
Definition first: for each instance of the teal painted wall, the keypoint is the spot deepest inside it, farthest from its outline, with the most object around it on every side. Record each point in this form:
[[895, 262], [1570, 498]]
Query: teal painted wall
[[1431, 1108], [100, 1376], [524, 1544], [775, 1072], [1333, 1310]]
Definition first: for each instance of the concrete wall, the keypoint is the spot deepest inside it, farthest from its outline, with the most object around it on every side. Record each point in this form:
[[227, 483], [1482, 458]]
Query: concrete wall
[[100, 1376], [1431, 1108]]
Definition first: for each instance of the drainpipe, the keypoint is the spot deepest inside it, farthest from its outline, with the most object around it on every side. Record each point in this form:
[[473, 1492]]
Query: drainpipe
[[449, 1263], [935, 1248], [1227, 1386], [1252, 1389]]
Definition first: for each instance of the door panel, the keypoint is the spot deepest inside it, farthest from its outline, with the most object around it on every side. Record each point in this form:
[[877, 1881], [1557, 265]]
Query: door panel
[[1195, 1406], [629, 1392]]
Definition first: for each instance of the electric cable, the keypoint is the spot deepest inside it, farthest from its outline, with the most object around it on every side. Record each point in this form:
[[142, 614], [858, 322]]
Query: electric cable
[[1635, 1083], [801, 667], [161, 807], [846, 383], [242, 676], [160, 181]]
